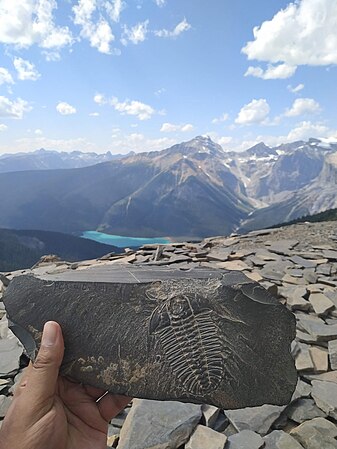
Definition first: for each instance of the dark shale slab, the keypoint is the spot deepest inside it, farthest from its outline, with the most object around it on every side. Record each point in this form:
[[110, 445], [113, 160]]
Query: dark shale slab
[[202, 336]]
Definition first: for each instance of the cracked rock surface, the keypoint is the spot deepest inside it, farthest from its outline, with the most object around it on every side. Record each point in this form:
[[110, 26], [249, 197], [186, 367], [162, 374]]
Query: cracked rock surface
[[293, 263]]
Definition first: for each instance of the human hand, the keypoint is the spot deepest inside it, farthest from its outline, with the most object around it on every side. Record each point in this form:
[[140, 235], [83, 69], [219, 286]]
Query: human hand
[[51, 412]]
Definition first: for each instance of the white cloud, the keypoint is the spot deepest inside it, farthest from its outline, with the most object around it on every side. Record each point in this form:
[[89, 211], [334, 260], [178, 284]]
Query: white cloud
[[138, 142], [26, 70], [170, 128], [38, 132], [51, 55], [180, 28], [3, 127], [13, 109], [307, 129], [160, 91], [129, 107], [65, 108], [160, 3], [302, 131], [133, 107], [27, 22], [99, 34], [94, 114], [303, 106], [100, 99], [135, 34], [114, 9], [31, 143], [224, 140], [280, 71], [220, 119], [254, 112], [295, 89], [5, 76], [304, 33]]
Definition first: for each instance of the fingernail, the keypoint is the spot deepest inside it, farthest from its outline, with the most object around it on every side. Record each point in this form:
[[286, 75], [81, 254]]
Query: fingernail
[[49, 336]]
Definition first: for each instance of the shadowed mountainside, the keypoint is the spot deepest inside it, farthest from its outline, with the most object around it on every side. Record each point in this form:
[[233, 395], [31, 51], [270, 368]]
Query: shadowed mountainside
[[22, 249]]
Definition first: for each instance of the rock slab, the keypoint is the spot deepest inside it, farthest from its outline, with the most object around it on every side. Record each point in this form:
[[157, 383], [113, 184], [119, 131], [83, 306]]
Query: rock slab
[[199, 336], [160, 425]]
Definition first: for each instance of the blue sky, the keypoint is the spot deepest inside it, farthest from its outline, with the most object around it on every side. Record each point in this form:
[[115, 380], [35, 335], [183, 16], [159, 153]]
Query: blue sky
[[98, 75]]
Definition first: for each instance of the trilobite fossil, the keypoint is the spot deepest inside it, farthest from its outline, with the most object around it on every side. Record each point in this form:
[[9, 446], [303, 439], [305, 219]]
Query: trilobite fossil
[[190, 343]]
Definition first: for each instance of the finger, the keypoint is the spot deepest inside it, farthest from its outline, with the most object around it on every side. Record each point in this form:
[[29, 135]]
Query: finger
[[93, 392], [110, 405], [42, 376]]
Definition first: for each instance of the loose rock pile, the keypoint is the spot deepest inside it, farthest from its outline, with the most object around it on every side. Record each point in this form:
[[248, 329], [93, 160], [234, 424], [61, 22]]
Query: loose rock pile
[[298, 264]]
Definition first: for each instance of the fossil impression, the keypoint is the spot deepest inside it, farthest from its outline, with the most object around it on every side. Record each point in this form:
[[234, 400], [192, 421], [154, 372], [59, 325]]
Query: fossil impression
[[204, 336]]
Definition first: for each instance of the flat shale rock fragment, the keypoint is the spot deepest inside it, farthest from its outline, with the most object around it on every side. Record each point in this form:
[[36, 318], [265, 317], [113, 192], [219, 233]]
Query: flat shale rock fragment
[[202, 336], [160, 425]]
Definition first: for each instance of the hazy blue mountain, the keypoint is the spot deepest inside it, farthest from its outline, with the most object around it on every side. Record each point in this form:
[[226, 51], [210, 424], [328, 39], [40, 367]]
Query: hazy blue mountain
[[48, 160]]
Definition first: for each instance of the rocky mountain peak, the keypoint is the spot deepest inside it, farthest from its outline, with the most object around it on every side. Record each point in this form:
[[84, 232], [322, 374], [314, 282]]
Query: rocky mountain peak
[[260, 150], [200, 146]]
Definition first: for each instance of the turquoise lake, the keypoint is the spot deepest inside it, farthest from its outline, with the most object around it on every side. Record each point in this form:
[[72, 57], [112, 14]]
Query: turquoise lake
[[121, 241]]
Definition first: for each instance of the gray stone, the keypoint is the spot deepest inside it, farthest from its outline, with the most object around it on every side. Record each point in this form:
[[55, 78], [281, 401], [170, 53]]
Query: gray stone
[[330, 254], [331, 376], [333, 354], [319, 358], [302, 390], [210, 414], [304, 337], [303, 359], [230, 430], [10, 353], [296, 272], [113, 430], [319, 330], [287, 278], [321, 303], [202, 335], [324, 269], [221, 423], [204, 437], [119, 420], [219, 255], [282, 246], [160, 425], [303, 410], [245, 440], [333, 296], [5, 402], [304, 263], [257, 419], [278, 439], [4, 279], [310, 277], [271, 275], [325, 396], [327, 281], [319, 433]]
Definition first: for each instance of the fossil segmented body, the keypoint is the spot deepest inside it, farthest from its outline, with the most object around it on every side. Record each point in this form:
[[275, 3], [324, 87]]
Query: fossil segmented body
[[190, 343]]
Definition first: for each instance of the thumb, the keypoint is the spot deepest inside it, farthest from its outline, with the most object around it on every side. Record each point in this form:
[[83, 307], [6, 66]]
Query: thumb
[[42, 379]]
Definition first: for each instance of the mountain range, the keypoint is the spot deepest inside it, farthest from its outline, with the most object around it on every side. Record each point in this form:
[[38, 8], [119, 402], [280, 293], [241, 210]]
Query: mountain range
[[193, 189], [48, 159]]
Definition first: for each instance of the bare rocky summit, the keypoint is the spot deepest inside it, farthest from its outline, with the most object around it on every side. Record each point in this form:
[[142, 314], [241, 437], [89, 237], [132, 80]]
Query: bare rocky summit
[[298, 264]]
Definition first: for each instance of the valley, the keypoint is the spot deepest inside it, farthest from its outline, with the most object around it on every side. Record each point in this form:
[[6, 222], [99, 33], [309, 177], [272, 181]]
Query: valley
[[191, 190]]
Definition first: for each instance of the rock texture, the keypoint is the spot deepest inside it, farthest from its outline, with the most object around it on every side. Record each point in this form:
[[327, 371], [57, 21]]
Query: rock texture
[[200, 335], [308, 421]]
